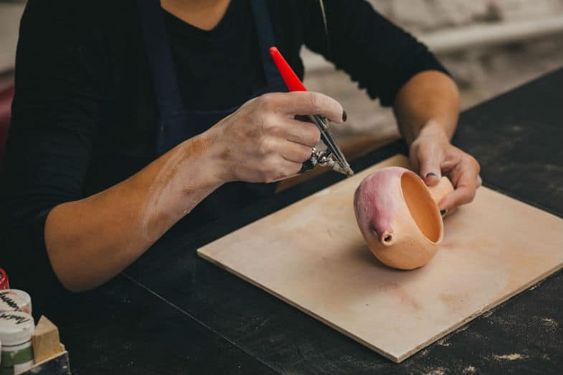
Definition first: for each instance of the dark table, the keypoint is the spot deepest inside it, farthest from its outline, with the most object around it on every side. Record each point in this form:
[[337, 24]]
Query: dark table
[[172, 312]]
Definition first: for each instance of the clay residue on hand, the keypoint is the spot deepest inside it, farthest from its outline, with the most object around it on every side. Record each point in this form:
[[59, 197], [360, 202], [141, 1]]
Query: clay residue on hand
[[177, 187], [155, 214]]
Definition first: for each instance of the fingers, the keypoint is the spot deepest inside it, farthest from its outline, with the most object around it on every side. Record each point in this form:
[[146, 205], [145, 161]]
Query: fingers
[[306, 103], [466, 180], [282, 169], [290, 105], [282, 158], [290, 169], [301, 132], [267, 143], [295, 152], [428, 158], [430, 166], [434, 157]]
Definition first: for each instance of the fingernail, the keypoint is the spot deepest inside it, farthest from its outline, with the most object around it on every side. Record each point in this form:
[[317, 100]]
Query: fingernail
[[344, 116], [431, 174]]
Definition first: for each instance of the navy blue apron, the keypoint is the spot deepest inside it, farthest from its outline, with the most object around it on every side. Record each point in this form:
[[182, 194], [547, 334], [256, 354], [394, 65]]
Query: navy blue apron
[[176, 123]]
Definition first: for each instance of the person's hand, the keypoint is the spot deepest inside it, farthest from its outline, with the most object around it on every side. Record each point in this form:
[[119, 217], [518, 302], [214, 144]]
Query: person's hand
[[433, 155], [263, 142]]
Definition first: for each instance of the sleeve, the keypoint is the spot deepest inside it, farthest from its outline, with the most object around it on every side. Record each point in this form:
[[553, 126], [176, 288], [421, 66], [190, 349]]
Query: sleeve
[[54, 117], [377, 54]]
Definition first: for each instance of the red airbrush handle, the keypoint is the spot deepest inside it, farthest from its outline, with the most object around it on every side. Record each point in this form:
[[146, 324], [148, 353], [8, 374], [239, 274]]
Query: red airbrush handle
[[291, 79]]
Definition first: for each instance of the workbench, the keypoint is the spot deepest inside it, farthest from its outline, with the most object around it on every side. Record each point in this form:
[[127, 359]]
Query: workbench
[[172, 312]]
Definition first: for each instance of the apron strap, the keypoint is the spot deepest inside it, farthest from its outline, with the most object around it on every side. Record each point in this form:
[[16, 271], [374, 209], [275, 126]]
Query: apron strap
[[159, 55], [266, 39], [172, 113]]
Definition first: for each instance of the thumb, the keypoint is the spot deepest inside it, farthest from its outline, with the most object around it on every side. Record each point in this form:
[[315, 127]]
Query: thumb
[[430, 170]]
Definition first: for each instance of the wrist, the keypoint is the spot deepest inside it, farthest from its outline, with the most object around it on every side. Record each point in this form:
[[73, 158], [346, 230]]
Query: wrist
[[210, 157], [433, 130]]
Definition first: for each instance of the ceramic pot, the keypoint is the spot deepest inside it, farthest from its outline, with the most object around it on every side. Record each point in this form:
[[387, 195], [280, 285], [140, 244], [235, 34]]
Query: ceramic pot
[[399, 217]]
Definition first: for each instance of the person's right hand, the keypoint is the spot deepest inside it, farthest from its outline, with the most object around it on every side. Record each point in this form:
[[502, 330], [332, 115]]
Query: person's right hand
[[263, 142]]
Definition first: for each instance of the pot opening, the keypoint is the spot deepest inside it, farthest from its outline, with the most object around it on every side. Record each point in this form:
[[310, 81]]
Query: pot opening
[[421, 206]]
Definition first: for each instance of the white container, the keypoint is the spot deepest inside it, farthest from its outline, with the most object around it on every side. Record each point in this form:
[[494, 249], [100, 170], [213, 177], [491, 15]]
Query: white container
[[15, 300], [16, 328]]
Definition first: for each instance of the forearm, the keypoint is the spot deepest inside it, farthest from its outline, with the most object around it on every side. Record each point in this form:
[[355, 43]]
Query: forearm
[[427, 104], [91, 240]]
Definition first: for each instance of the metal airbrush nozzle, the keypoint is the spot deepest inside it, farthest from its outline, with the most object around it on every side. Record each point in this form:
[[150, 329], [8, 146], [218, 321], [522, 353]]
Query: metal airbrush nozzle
[[332, 156]]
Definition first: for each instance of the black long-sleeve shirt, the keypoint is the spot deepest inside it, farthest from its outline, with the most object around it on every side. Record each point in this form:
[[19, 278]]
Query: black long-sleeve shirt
[[84, 113]]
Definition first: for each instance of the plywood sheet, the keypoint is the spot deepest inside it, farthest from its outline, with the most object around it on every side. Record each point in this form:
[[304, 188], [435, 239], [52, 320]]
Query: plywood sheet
[[311, 254]]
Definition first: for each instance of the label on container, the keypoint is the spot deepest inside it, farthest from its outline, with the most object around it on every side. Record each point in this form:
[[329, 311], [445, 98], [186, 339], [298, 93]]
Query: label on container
[[15, 300], [16, 328], [17, 357]]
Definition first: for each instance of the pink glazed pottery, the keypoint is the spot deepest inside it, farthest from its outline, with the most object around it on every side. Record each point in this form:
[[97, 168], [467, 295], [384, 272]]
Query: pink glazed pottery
[[399, 217]]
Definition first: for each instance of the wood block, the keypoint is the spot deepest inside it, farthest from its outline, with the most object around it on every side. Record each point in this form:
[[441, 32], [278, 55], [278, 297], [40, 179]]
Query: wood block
[[312, 255], [46, 341]]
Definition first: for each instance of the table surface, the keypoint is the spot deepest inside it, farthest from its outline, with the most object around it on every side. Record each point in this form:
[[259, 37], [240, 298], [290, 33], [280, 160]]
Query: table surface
[[173, 312]]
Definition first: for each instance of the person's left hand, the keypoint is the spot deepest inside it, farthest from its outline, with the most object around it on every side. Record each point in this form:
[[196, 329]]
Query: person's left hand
[[433, 155]]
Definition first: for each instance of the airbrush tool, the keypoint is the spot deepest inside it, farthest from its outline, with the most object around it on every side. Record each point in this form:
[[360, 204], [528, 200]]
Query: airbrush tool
[[332, 156]]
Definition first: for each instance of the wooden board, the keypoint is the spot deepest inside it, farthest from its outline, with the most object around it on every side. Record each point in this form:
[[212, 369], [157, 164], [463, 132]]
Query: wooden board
[[311, 254]]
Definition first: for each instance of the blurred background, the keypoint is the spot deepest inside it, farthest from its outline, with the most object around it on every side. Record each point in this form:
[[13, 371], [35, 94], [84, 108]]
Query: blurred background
[[490, 46]]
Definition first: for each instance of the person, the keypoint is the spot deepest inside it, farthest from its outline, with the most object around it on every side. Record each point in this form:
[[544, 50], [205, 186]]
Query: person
[[130, 116]]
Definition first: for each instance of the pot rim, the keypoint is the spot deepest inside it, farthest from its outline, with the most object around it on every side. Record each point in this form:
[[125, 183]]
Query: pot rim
[[436, 212]]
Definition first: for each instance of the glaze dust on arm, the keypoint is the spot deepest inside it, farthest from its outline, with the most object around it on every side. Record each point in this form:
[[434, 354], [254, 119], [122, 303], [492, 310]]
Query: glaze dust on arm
[[91, 240]]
